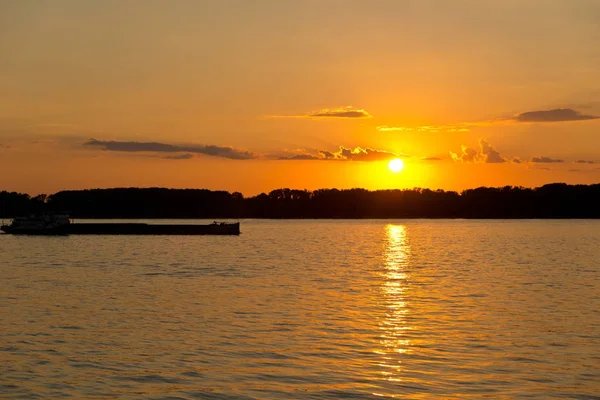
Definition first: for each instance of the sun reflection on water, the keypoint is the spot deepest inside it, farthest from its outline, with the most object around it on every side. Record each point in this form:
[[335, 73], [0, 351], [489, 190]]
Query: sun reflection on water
[[394, 325]]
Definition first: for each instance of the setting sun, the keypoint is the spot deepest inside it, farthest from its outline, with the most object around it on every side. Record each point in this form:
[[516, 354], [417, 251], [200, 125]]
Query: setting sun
[[396, 165]]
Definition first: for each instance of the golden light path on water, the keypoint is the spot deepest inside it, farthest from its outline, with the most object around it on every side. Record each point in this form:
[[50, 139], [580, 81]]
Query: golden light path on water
[[396, 297]]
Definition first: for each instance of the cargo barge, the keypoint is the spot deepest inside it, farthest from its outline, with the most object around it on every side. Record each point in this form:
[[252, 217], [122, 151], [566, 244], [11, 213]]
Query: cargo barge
[[61, 224]]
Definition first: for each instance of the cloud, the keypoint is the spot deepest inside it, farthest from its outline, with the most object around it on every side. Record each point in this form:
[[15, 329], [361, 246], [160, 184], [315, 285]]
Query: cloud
[[466, 127], [303, 156], [545, 160], [186, 156], [347, 112], [185, 152], [209, 150], [516, 160], [585, 162], [346, 154], [386, 128], [431, 159], [340, 113], [556, 115], [486, 154], [491, 156], [360, 154], [467, 154]]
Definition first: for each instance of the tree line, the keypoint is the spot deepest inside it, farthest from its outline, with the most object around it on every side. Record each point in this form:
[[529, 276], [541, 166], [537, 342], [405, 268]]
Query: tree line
[[557, 200]]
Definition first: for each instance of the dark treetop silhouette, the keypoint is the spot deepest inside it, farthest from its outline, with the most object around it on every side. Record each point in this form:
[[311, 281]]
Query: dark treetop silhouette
[[556, 200]]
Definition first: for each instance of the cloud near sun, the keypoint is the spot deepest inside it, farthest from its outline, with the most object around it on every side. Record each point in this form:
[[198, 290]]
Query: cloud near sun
[[345, 154], [484, 154]]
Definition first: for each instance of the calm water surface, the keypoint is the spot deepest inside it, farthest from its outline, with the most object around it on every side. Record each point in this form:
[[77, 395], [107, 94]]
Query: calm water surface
[[306, 309]]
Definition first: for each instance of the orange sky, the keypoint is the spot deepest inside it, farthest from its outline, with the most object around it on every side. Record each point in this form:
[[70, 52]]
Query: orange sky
[[255, 95]]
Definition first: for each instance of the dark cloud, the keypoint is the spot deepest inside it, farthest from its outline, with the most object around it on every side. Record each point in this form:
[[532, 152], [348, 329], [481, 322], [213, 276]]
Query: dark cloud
[[300, 157], [326, 154], [585, 162], [486, 154], [347, 112], [431, 158], [546, 160], [556, 115], [516, 160], [209, 150]]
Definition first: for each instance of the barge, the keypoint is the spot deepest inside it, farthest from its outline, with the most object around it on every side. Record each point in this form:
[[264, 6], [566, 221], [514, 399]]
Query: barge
[[61, 224]]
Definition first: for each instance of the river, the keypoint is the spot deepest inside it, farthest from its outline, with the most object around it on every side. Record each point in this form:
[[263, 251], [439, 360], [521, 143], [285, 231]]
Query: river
[[419, 309]]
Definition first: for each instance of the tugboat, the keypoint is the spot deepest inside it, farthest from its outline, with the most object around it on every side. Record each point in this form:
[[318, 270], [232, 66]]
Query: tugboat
[[45, 224], [61, 224]]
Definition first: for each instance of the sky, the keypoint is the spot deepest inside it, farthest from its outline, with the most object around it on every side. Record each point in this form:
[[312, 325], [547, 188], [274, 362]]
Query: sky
[[255, 95]]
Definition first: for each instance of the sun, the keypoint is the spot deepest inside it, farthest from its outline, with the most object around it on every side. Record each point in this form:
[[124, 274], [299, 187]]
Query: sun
[[396, 165]]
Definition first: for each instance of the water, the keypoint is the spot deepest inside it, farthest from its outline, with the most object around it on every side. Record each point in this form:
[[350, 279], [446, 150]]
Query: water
[[306, 310]]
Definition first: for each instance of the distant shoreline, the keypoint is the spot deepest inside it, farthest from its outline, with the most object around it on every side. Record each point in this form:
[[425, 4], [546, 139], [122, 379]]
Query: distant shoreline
[[552, 201]]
